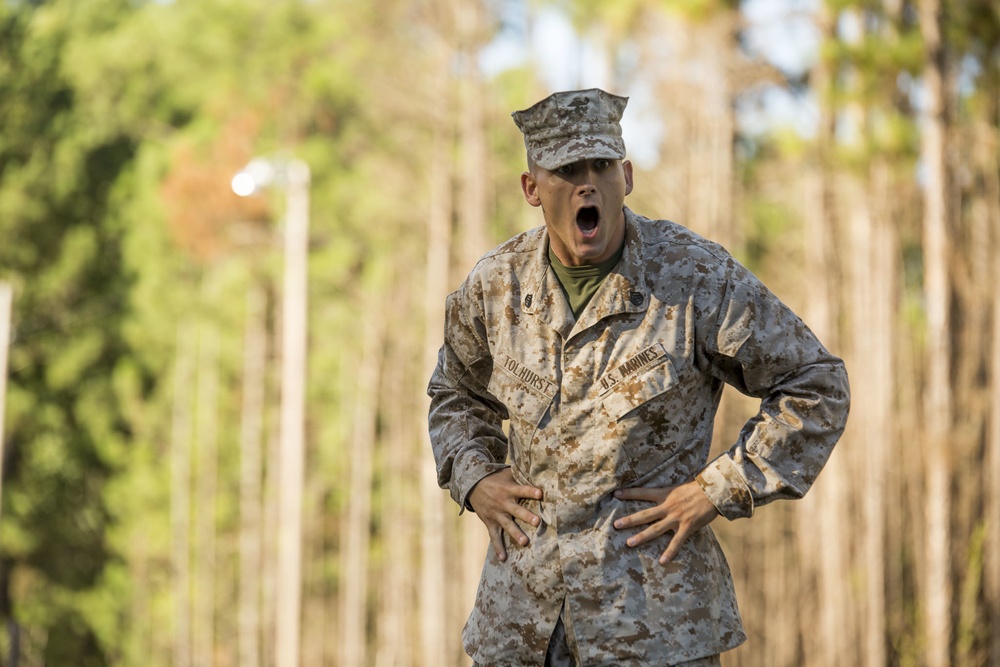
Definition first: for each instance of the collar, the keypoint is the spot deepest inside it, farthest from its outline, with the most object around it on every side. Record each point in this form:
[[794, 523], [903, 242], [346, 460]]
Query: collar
[[623, 291]]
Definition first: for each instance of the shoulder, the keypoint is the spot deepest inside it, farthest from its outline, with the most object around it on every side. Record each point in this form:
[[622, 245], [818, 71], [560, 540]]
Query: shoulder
[[676, 249], [510, 257], [515, 249], [496, 272]]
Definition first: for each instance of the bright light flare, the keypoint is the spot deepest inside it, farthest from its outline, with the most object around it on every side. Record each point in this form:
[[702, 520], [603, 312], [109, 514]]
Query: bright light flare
[[244, 184]]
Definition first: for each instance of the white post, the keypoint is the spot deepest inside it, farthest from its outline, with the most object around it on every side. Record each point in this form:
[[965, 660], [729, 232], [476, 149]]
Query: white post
[[6, 298], [292, 456]]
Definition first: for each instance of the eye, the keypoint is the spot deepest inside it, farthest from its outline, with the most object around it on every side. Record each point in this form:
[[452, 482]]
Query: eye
[[566, 169], [602, 163]]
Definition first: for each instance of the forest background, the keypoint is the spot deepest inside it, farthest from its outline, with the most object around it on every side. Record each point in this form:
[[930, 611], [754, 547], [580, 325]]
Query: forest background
[[141, 440]]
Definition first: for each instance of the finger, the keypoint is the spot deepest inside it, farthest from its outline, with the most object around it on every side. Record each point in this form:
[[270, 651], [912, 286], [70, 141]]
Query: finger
[[496, 539], [514, 531], [653, 495], [654, 531], [525, 491], [676, 542], [641, 517], [526, 515]]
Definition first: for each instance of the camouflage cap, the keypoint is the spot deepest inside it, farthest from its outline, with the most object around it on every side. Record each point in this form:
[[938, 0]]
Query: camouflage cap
[[573, 125]]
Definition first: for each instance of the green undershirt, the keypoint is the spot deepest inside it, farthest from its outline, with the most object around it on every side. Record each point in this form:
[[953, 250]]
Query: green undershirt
[[580, 283]]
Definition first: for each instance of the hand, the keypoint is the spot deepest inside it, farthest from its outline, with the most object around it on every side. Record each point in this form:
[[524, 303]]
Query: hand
[[494, 499], [683, 509]]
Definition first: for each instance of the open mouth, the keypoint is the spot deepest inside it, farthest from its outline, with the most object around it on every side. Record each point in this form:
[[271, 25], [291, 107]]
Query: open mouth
[[587, 219]]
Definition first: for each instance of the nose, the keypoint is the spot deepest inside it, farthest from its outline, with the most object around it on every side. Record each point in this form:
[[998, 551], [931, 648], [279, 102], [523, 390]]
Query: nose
[[586, 184]]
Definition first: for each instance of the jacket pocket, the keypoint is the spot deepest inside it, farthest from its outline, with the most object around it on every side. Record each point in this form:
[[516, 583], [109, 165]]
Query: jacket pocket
[[634, 393], [527, 397], [644, 411]]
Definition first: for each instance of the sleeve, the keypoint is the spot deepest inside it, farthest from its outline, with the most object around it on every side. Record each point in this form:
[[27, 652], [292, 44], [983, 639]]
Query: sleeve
[[755, 343], [465, 420]]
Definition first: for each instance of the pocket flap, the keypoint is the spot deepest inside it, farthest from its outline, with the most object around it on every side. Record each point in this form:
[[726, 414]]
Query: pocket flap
[[525, 394], [631, 393]]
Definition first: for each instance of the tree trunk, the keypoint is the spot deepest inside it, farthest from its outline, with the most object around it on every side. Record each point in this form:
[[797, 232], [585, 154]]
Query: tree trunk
[[474, 178], [993, 473], [354, 583], [6, 299], [874, 259], [937, 388], [320, 638], [819, 314], [396, 598], [473, 160], [272, 518], [251, 436], [828, 529], [433, 586], [203, 631], [180, 492], [991, 198], [6, 315]]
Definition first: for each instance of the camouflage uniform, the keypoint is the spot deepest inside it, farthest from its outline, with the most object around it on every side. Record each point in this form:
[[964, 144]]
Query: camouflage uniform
[[623, 397]]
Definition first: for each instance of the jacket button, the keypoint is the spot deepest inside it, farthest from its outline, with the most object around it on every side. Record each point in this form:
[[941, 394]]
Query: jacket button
[[527, 301], [635, 298]]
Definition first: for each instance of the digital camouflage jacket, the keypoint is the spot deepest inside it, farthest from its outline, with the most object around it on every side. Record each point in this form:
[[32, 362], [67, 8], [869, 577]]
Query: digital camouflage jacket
[[623, 397]]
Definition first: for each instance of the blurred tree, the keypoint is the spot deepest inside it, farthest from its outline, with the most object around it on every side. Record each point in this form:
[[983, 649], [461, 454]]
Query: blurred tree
[[121, 123], [66, 432]]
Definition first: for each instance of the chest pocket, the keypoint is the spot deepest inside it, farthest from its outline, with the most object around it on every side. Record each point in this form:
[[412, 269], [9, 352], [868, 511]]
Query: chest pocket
[[643, 411], [527, 396]]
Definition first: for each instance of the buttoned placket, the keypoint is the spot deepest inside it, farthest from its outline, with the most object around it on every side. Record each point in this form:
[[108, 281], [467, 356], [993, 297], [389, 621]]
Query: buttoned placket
[[571, 446]]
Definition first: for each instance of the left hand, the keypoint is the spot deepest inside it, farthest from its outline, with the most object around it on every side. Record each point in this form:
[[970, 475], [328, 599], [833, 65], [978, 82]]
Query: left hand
[[683, 509]]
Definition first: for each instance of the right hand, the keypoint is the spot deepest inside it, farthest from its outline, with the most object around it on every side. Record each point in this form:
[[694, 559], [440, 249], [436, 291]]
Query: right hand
[[494, 499]]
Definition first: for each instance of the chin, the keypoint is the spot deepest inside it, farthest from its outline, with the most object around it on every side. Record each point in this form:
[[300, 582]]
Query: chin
[[589, 254]]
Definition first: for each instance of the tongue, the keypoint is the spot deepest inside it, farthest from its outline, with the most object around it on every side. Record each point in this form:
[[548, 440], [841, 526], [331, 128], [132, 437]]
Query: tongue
[[586, 220]]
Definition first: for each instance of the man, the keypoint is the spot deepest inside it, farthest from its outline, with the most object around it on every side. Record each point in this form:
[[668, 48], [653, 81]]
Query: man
[[605, 339]]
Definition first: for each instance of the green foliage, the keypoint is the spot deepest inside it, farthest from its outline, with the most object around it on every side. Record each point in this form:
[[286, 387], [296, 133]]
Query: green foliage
[[65, 434], [120, 124], [626, 16], [770, 224]]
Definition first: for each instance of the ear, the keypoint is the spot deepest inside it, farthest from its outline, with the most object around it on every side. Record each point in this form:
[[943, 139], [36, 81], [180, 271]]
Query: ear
[[627, 168], [530, 189]]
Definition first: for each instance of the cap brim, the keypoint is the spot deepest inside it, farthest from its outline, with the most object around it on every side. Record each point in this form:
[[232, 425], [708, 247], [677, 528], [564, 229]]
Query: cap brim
[[554, 154]]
